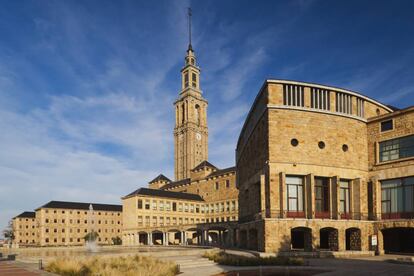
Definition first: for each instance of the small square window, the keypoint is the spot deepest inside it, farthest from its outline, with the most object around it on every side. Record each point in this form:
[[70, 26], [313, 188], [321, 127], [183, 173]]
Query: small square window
[[387, 125]]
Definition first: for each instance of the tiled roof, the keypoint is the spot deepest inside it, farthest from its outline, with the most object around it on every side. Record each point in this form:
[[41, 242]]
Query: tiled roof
[[26, 215], [204, 164], [81, 206], [223, 171], [176, 184], [162, 193], [161, 177]]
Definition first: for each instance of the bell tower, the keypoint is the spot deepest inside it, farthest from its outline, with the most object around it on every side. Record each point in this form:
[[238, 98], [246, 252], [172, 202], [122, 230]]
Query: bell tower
[[190, 131]]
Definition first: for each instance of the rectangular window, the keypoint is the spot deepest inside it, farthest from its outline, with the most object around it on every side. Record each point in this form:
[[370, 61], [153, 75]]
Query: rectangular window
[[174, 206], [396, 148], [387, 125], [154, 205], [147, 205], [293, 95], [343, 103], [227, 183], [397, 198], [344, 196], [320, 99], [139, 203], [322, 197], [295, 198], [217, 185]]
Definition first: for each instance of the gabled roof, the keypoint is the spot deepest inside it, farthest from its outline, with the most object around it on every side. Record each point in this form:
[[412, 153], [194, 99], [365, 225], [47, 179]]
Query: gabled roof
[[223, 171], [176, 184], [160, 177], [204, 164], [26, 215], [162, 193], [81, 206]]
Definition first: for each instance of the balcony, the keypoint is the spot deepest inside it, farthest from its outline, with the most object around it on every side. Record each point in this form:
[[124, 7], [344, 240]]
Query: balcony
[[323, 215], [400, 215], [295, 214], [346, 216]]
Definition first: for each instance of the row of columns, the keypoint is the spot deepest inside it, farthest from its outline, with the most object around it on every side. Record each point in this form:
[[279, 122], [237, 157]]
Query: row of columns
[[203, 238]]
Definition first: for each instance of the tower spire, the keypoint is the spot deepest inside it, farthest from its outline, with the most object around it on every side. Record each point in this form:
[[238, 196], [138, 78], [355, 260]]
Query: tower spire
[[190, 48]]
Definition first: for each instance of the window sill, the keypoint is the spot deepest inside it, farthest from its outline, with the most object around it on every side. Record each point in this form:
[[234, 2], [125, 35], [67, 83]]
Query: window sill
[[394, 161]]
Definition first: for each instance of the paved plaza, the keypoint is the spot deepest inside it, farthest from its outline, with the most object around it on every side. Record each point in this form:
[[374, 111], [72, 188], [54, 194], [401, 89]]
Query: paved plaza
[[191, 262]]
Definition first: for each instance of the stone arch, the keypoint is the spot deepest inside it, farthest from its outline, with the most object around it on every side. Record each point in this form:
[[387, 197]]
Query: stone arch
[[353, 239], [398, 239], [301, 238], [174, 236], [328, 238], [157, 237], [143, 238]]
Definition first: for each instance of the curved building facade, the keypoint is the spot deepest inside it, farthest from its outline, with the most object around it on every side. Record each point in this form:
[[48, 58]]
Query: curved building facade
[[313, 163]]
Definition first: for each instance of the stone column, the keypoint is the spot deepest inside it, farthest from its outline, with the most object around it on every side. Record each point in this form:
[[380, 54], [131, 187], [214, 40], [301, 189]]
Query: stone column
[[262, 196], [150, 238], [341, 239], [330, 193], [165, 238], [376, 199], [202, 237], [310, 196], [332, 100], [335, 197], [282, 194]]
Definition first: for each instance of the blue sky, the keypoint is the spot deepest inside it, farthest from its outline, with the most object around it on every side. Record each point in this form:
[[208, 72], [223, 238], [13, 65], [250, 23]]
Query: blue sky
[[86, 87]]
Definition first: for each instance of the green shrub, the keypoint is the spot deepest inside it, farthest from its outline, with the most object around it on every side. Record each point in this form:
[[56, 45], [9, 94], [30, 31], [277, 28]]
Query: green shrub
[[236, 260]]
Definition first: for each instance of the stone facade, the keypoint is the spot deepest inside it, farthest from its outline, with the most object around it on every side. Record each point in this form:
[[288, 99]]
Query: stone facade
[[210, 216], [196, 211], [60, 223], [25, 230], [190, 131], [308, 168]]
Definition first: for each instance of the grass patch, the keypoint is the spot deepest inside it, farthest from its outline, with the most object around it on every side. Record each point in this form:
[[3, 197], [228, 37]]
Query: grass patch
[[112, 266], [236, 260]]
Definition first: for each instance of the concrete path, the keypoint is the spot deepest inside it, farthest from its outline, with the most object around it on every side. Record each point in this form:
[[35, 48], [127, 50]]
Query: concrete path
[[13, 268]]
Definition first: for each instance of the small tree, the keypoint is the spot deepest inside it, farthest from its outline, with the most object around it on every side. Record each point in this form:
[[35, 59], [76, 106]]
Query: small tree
[[117, 240], [91, 236], [9, 232]]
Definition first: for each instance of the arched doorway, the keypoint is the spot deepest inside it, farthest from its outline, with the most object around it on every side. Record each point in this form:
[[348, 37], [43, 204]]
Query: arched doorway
[[143, 238], [301, 238], [174, 237], [353, 239], [398, 239], [157, 238], [193, 236], [328, 237]]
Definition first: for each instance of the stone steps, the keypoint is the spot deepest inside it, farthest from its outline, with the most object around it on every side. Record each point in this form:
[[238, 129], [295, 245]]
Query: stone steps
[[190, 263]]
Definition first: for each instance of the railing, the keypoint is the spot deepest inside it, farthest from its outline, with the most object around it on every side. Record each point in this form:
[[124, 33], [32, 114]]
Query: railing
[[295, 214], [399, 215], [323, 215]]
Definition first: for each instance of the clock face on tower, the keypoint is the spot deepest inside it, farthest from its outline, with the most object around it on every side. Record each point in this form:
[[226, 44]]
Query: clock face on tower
[[198, 136]]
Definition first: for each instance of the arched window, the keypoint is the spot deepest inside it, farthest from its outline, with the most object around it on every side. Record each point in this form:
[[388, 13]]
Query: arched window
[[197, 114]]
